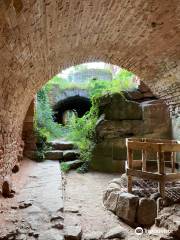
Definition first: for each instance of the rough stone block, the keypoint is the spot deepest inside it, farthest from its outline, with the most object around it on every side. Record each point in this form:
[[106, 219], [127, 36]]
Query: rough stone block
[[147, 212], [126, 208]]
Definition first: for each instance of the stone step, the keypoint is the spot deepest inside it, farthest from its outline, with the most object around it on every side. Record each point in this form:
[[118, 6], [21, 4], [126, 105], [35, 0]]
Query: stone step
[[54, 155], [69, 155], [62, 145], [74, 164]]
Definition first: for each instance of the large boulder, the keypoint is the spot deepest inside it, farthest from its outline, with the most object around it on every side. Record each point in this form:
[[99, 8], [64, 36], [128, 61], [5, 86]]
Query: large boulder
[[147, 212], [106, 129], [156, 119], [126, 208], [117, 107]]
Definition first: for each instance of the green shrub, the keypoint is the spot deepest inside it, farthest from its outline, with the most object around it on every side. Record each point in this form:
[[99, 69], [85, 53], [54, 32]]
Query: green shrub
[[44, 125], [65, 167], [82, 132]]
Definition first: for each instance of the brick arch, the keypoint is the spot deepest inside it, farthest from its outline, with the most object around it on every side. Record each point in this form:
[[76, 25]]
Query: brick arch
[[39, 38]]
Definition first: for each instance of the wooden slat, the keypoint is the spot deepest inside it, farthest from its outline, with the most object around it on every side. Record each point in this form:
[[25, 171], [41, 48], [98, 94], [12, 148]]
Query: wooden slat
[[143, 146], [144, 160], [137, 163], [166, 150], [170, 147], [144, 175], [151, 140], [130, 165], [173, 161], [172, 177], [161, 169]]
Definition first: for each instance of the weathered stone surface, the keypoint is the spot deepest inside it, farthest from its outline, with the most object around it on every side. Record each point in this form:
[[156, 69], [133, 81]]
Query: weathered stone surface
[[116, 232], [54, 155], [169, 218], [51, 234], [110, 152], [116, 107], [94, 235], [147, 212], [7, 188], [110, 202], [72, 233], [126, 208], [70, 155], [117, 129], [62, 145], [25, 205], [134, 95], [59, 226], [74, 164]]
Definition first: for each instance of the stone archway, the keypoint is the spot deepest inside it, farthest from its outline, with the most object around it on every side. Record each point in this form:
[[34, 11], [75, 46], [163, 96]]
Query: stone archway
[[80, 105], [38, 38]]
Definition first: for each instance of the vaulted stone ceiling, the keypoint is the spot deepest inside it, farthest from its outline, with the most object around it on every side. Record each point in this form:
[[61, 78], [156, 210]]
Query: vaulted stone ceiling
[[41, 37]]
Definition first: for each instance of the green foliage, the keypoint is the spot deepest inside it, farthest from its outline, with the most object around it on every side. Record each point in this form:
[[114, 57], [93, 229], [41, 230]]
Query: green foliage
[[44, 125], [65, 167], [123, 81], [44, 122], [65, 84], [84, 168], [82, 132]]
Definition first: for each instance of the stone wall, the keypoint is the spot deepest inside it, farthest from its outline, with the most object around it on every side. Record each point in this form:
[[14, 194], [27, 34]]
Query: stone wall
[[56, 94], [40, 38], [121, 119], [28, 134], [86, 74]]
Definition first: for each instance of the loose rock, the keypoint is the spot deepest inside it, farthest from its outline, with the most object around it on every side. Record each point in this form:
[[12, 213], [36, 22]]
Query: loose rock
[[126, 207], [116, 232], [94, 235], [147, 212], [111, 202], [73, 233]]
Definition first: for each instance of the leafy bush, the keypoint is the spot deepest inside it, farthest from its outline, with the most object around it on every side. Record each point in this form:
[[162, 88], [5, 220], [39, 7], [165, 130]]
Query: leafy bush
[[44, 122], [65, 167], [44, 125], [82, 132]]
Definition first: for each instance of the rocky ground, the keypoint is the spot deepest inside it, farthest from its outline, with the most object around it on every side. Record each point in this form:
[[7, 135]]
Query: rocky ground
[[84, 209], [38, 210]]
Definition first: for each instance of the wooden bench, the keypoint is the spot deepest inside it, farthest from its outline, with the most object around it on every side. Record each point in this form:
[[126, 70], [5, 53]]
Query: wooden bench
[[165, 149]]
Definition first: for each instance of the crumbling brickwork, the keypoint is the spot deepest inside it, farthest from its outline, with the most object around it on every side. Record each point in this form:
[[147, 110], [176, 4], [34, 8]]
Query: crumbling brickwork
[[38, 38]]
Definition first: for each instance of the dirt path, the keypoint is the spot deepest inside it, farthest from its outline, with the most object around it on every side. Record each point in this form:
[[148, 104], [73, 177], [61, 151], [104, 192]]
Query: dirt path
[[83, 202]]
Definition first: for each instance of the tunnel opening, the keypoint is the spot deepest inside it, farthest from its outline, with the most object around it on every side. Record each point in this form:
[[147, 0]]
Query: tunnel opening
[[76, 104]]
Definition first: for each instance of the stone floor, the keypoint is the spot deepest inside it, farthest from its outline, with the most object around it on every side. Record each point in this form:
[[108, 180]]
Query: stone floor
[[36, 211]]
